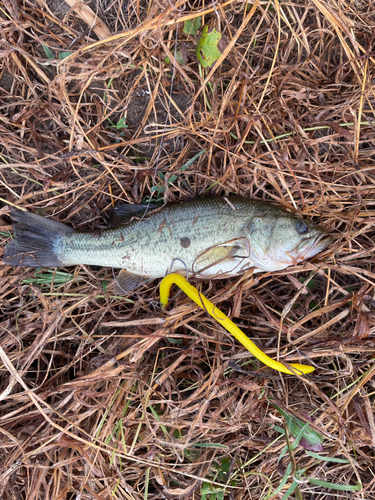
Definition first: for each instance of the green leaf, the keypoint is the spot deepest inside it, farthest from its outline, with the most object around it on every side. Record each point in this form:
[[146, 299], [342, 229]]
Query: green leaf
[[48, 52], [48, 278], [207, 49], [163, 428], [215, 492], [121, 123], [111, 122], [310, 285], [63, 55], [211, 445], [192, 26], [282, 484], [211, 492], [181, 58], [313, 305], [328, 459], [190, 162], [307, 437], [290, 490], [174, 341], [172, 179], [333, 486]]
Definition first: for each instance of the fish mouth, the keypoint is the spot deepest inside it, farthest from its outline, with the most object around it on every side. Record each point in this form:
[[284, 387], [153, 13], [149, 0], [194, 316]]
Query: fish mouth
[[309, 247], [319, 243]]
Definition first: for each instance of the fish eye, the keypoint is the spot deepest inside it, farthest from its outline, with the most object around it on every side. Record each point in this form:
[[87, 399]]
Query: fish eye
[[301, 227]]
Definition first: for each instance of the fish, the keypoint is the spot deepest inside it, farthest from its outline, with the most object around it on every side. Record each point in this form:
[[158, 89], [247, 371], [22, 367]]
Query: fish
[[212, 237]]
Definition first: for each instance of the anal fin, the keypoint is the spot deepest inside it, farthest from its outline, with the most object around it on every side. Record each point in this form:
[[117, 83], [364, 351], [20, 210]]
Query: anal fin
[[127, 281]]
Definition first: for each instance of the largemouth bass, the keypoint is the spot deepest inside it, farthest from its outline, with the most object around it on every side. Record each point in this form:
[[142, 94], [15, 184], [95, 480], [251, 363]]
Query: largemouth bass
[[207, 238]]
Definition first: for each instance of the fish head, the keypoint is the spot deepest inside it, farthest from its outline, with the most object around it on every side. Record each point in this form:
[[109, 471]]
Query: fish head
[[278, 240]]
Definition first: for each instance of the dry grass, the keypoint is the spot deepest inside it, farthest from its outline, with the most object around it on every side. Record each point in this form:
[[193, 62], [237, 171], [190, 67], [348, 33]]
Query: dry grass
[[105, 397]]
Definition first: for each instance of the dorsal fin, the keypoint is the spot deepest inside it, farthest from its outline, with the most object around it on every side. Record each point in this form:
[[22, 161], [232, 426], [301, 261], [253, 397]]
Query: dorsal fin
[[121, 214]]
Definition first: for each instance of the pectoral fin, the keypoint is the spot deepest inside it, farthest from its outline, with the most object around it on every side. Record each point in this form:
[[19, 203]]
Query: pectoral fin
[[214, 255], [221, 259], [127, 282]]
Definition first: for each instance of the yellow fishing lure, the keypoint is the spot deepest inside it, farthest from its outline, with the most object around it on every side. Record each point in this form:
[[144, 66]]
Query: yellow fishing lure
[[206, 304]]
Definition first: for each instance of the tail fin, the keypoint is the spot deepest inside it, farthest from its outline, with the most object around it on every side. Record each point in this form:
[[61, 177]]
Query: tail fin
[[34, 241]]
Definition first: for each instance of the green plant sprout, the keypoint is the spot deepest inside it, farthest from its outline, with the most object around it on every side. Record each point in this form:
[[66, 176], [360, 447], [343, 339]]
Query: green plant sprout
[[191, 26], [50, 55], [214, 492], [160, 189], [207, 49], [119, 125], [311, 441], [48, 278]]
